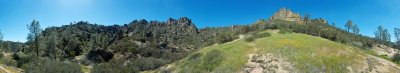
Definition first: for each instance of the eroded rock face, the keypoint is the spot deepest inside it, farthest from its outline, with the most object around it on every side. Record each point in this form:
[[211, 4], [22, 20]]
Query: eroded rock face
[[286, 14], [267, 63], [384, 50]]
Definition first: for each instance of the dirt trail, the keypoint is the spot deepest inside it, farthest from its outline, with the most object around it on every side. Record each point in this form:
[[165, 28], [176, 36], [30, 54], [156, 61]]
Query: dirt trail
[[4, 69]]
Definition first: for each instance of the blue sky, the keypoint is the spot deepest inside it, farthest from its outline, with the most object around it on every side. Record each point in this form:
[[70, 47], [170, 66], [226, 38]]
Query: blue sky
[[16, 14]]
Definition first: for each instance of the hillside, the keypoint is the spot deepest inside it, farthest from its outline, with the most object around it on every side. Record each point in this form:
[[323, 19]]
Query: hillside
[[281, 53], [286, 42]]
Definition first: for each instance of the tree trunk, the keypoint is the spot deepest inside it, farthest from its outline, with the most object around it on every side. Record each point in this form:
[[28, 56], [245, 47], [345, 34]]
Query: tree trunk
[[37, 46]]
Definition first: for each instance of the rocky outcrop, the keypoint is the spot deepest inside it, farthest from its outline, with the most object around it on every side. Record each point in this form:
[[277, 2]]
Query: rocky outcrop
[[99, 55], [286, 14], [267, 63], [384, 50]]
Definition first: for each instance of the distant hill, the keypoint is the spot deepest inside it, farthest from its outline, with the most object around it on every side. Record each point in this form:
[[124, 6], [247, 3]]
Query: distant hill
[[164, 42]]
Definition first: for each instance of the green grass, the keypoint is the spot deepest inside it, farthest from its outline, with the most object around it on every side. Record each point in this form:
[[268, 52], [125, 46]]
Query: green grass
[[85, 69], [308, 54], [232, 57]]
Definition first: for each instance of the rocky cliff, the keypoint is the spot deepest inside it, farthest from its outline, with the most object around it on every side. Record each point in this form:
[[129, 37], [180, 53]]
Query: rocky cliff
[[286, 14]]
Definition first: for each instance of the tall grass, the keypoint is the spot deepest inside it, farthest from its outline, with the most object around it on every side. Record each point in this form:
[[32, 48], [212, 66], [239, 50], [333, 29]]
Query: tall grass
[[310, 54]]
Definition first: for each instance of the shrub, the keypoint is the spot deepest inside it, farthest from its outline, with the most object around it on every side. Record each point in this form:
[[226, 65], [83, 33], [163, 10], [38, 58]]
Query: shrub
[[8, 61], [256, 36], [149, 63], [225, 37], [396, 58], [284, 31], [212, 60], [114, 66], [134, 66], [263, 34], [21, 58], [249, 39], [45, 65]]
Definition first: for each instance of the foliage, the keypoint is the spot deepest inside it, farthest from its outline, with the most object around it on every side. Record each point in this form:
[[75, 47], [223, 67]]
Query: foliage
[[397, 37], [349, 25], [148, 63], [21, 58], [45, 65], [356, 30], [256, 35], [1, 39], [284, 31], [382, 35], [114, 66], [121, 66], [8, 61], [225, 37], [34, 32], [212, 60], [229, 58], [318, 28], [396, 58]]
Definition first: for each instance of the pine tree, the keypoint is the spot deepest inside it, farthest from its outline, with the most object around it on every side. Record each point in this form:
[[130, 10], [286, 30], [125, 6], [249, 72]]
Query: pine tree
[[397, 37], [356, 30], [1, 40], [349, 25], [52, 45], [382, 35], [33, 36]]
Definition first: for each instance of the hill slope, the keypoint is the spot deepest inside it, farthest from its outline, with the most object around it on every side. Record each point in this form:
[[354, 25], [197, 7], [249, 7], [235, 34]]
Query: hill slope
[[291, 52]]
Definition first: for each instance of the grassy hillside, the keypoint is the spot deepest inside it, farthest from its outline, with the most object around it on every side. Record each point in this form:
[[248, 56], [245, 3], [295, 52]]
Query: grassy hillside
[[304, 53]]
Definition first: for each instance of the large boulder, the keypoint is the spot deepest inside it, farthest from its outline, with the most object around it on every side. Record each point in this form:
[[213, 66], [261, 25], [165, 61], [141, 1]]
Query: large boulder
[[286, 14], [99, 55]]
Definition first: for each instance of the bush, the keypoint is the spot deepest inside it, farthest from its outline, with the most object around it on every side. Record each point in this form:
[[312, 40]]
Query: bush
[[284, 31], [8, 61], [396, 58], [256, 36], [45, 65], [149, 63], [249, 39], [225, 37], [114, 66], [134, 66], [21, 58], [212, 60]]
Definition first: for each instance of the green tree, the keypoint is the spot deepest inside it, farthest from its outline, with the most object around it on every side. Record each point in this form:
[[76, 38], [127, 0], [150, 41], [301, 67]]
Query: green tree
[[333, 24], [1, 40], [349, 25], [356, 30], [52, 45], [306, 18], [33, 36], [397, 37], [382, 35]]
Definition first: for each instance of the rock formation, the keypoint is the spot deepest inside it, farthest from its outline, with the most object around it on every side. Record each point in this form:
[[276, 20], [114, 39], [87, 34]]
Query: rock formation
[[286, 14]]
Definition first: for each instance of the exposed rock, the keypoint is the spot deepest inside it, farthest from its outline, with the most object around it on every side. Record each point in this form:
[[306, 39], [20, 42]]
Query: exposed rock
[[286, 14], [99, 55], [267, 63], [384, 50], [322, 20], [373, 64]]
